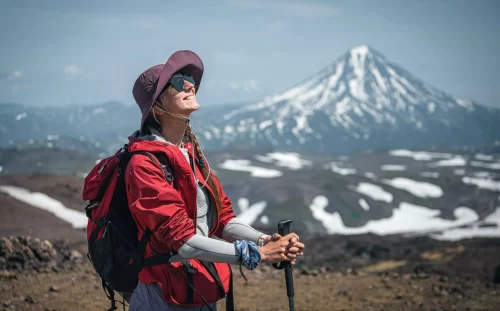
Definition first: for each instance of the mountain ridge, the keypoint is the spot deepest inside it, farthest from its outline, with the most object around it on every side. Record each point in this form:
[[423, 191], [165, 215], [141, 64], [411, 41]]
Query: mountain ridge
[[359, 95], [360, 101]]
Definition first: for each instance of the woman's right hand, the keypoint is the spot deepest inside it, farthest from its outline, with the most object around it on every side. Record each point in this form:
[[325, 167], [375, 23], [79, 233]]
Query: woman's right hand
[[279, 249]]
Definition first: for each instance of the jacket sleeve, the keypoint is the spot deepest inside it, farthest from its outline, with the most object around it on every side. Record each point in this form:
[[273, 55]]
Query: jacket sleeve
[[155, 204], [226, 213]]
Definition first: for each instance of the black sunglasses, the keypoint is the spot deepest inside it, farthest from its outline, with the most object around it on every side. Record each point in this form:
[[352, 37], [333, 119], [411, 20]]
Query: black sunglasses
[[177, 81]]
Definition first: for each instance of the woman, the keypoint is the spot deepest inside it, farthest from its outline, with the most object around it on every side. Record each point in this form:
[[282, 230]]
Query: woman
[[191, 216]]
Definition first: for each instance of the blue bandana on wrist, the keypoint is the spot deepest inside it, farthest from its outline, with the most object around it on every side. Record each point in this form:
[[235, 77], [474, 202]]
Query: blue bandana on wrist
[[249, 253]]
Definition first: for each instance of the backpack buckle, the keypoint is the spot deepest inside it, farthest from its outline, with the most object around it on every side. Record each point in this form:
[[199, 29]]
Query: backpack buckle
[[189, 267], [92, 205]]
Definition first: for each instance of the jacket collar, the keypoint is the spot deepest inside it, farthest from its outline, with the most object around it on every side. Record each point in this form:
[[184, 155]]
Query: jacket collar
[[154, 142]]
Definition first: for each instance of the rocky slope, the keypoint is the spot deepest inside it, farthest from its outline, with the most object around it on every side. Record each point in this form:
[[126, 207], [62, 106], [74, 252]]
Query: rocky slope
[[376, 284]]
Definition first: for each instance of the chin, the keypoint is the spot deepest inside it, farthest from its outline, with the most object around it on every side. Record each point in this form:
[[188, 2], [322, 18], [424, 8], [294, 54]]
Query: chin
[[194, 107], [189, 110]]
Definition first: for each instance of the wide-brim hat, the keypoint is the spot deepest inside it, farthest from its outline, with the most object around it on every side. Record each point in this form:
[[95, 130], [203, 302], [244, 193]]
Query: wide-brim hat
[[152, 82]]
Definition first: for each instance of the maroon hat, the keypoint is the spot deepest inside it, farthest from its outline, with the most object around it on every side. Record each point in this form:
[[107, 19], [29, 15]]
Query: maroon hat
[[151, 82]]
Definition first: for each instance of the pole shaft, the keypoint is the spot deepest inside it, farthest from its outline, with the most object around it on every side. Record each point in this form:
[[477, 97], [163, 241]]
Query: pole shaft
[[284, 229]]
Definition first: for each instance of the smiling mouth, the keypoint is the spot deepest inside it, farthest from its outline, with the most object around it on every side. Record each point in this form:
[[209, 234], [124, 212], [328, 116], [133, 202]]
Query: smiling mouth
[[188, 97]]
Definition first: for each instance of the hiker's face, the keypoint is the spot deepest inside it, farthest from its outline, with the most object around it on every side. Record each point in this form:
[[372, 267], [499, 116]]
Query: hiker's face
[[182, 102]]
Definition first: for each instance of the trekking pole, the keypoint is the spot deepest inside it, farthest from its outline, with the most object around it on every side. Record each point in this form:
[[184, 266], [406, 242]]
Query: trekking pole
[[284, 229]]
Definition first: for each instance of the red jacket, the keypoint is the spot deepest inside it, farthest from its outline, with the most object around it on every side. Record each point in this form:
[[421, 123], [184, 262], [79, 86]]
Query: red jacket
[[169, 211]]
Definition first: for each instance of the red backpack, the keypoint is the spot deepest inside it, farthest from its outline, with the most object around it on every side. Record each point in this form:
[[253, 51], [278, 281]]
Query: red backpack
[[114, 249]]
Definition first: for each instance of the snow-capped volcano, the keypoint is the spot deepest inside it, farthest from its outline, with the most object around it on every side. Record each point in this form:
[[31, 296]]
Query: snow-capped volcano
[[362, 100]]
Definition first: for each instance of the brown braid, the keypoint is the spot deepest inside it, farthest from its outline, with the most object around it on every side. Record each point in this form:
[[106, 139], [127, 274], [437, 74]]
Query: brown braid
[[204, 168]]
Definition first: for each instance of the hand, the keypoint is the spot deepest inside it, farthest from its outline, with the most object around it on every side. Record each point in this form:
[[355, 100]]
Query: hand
[[278, 248]]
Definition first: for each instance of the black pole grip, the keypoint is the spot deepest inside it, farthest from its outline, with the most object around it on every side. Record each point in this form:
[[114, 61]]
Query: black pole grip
[[284, 229]]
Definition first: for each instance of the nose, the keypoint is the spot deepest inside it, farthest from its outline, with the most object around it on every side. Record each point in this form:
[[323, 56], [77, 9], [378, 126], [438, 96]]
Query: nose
[[188, 87]]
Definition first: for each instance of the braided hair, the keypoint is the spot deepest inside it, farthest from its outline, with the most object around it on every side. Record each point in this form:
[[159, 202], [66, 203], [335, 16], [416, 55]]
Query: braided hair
[[211, 179], [189, 135]]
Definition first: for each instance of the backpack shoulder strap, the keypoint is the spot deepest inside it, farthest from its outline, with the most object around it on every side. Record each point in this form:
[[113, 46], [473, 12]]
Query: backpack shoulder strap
[[161, 159]]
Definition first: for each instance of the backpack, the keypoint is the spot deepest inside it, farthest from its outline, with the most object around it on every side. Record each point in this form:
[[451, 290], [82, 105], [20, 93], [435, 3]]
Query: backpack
[[113, 246], [116, 253]]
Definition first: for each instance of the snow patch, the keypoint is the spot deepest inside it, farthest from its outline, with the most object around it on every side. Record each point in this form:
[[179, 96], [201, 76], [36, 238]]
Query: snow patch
[[342, 106], [99, 110], [373, 191], [21, 116], [370, 175], [341, 170], [290, 160], [465, 103], [248, 214], [482, 183], [431, 107], [405, 218], [75, 218], [475, 230], [430, 174], [493, 166], [418, 155], [482, 174], [380, 80], [265, 124], [357, 60], [363, 204], [393, 167], [483, 157], [455, 161], [417, 188], [255, 171]]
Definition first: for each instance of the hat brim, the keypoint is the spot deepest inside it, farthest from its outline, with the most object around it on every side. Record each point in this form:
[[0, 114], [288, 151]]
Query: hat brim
[[184, 61]]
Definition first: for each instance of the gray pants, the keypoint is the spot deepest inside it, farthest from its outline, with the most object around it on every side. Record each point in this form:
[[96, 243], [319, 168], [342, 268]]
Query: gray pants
[[148, 297]]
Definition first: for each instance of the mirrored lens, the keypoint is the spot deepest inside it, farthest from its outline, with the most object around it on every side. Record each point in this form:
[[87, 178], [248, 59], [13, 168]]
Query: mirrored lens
[[178, 81]]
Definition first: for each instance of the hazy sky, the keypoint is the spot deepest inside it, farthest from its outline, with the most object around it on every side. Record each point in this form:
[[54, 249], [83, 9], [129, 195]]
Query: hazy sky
[[87, 52]]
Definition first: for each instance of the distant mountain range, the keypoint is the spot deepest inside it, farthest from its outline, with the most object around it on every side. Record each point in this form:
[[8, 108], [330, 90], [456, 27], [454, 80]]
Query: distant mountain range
[[448, 195], [361, 101]]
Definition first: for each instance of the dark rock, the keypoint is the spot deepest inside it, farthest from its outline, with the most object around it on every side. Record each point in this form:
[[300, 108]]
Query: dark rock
[[25, 253], [309, 272], [29, 299], [343, 293], [496, 276]]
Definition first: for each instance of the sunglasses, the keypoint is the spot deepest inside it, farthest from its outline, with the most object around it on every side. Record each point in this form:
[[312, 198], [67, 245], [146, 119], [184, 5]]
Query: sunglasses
[[177, 81]]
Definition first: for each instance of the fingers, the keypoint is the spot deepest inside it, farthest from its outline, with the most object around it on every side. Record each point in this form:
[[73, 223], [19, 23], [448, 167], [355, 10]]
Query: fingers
[[276, 237], [292, 236], [294, 250], [299, 245]]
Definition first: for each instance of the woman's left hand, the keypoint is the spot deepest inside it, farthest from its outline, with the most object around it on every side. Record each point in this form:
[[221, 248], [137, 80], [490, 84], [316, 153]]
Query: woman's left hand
[[295, 247]]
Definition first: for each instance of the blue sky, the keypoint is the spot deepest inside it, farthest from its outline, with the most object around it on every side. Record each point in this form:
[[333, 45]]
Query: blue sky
[[87, 52]]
